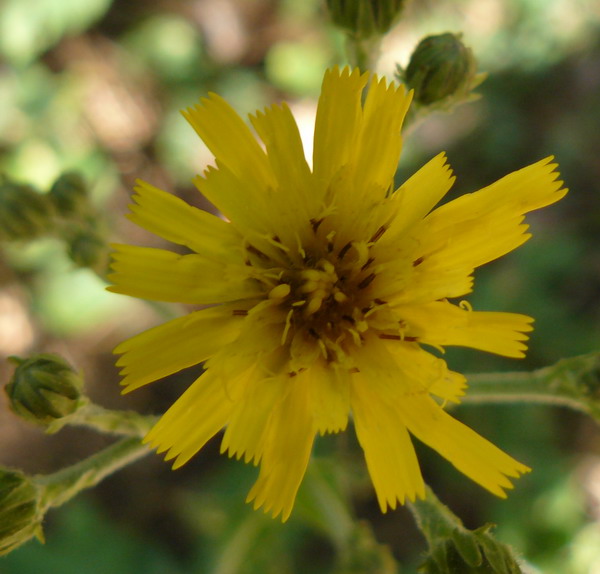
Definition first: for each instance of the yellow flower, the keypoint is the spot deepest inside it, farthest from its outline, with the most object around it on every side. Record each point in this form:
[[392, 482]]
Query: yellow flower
[[321, 292]]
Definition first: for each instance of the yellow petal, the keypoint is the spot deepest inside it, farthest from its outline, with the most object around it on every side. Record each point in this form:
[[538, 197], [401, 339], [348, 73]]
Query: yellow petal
[[479, 227], [415, 198], [337, 125], [389, 452], [470, 453], [161, 275], [174, 220], [242, 201], [376, 155], [441, 323], [296, 198], [329, 395], [431, 372], [195, 417], [287, 445], [245, 432], [229, 138], [176, 345]]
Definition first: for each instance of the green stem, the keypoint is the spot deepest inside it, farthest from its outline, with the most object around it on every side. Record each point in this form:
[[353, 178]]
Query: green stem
[[363, 53], [573, 382], [124, 423], [61, 486]]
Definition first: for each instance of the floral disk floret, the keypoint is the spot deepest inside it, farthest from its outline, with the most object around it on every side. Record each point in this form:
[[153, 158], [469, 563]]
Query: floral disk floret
[[321, 291]]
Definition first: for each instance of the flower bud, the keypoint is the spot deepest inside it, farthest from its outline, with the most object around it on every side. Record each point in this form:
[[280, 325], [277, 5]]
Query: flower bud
[[24, 213], [87, 248], [20, 510], [44, 388], [470, 552], [69, 194], [365, 18], [441, 69]]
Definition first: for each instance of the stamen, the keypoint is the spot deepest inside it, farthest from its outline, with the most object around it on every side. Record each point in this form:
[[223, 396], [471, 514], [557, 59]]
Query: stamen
[[281, 291], [288, 324]]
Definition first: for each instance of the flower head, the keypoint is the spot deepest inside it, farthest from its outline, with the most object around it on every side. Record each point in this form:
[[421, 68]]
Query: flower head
[[323, 290]]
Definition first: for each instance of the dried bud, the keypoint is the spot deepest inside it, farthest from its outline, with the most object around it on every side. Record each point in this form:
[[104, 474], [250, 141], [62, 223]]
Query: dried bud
[[69, 194], [24, 213], [441, 70], [365, 18], [44, 388], [20, 510]]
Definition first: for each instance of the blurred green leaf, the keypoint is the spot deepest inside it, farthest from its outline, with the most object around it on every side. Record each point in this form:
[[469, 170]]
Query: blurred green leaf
[[28, 27]]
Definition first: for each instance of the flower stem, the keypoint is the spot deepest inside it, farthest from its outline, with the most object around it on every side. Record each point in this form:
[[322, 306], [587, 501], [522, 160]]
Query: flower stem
[[363, 53], [573, 382], [124, 423], [61, 486]]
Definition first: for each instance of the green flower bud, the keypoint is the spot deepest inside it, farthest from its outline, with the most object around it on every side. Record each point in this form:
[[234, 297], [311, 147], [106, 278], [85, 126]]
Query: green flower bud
[[87, 248], [44, 388], [365, 18], [470, 552], [24, 213], [69, 194], [20, 510], [441, 70]]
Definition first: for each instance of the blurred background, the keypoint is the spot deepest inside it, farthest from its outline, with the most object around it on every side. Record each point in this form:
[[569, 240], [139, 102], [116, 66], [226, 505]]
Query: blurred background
[[97, 86]]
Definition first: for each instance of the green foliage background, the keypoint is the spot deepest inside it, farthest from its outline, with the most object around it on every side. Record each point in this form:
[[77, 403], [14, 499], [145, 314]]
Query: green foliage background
[[96, 86]]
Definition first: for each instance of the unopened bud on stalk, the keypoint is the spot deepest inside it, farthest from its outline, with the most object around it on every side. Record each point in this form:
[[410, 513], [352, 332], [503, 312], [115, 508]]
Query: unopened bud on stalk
[[365, 18], [44, 389], [20, 510], [69, 194], [442, 70], [24, 213]]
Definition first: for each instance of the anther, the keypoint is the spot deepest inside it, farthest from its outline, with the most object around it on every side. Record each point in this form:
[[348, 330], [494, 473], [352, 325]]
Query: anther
[[377, 235], [315, 224], [366, 281], [257, 252], [368, 262], [344, 250]]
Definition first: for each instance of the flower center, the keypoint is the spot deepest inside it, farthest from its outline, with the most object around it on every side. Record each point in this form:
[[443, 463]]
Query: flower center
[[325, 293]]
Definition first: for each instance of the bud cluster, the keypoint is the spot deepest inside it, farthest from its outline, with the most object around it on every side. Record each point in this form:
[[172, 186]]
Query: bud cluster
[[65, 212]]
